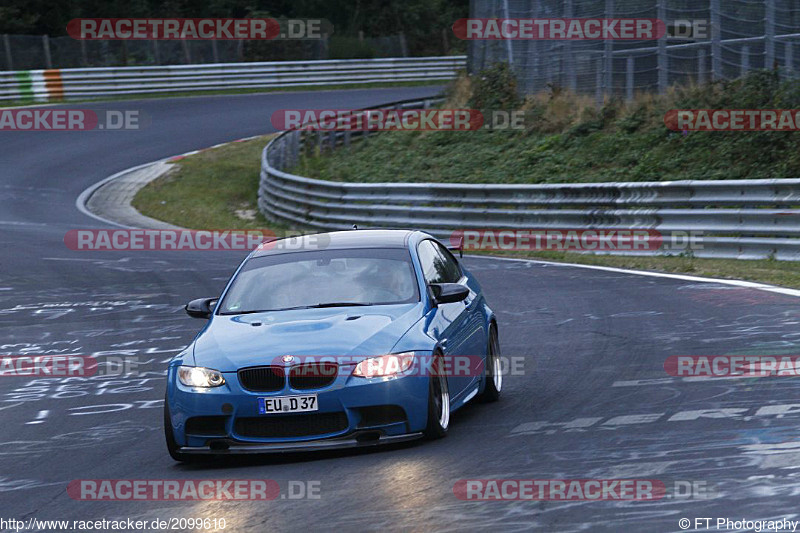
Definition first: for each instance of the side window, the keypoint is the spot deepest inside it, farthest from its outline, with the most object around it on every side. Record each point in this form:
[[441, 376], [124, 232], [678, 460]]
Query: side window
[[432, 263], [452, 272]]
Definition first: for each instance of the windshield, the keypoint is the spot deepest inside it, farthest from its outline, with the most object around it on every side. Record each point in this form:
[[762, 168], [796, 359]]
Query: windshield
[[328, 278]]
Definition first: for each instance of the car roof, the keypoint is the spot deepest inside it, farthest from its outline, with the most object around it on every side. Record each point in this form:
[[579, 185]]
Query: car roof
[[337, 240]]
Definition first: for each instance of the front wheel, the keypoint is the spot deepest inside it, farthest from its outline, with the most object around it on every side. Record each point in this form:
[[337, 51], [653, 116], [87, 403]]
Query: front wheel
[[438, 404], [493, 375]]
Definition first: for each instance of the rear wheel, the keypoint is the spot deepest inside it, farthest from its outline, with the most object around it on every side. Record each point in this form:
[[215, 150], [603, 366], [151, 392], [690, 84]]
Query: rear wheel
[[493, 376], [438, 404]]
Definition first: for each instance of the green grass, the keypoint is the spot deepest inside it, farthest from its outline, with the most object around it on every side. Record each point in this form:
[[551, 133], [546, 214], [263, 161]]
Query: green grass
[[207, 189], [567, 139], [214, 189]]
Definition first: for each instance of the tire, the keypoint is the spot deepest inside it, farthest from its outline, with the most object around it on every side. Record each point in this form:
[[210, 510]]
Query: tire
[[438, 405], [493, 375], [172, 446]]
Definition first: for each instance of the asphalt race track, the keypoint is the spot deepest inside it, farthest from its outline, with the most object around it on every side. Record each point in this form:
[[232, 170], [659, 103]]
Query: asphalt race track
[[592, 400]]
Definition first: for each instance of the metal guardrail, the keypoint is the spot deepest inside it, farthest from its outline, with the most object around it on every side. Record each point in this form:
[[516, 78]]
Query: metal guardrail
[[741, 219], [45, 85]]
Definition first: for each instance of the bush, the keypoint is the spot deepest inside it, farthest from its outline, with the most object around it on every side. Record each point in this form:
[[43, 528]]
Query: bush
[[495, 88]]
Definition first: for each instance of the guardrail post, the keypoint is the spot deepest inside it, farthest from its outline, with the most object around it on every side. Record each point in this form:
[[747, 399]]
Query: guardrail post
[[48, 61], [716, 40], [7, 46]]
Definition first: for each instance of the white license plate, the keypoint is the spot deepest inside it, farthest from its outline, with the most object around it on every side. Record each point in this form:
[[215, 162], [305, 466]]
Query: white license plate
[[287, 404]]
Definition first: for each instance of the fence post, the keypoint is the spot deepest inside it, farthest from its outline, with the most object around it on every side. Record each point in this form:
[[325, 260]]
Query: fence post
[[789, 59], [599, 82], [745, 60], [186, 51], [663, 58], [609, 49], [48, 61], [214, 50], [569, 63], [403, 44], [701, 66], [156, 53], [7, 46], [295, 147], [84, 54], [716, 40], [629, 75], [769, 35], [509, 42]]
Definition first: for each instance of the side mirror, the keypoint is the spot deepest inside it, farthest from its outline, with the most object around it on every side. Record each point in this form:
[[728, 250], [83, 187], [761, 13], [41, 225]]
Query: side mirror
[[445, 293], [201, 308]]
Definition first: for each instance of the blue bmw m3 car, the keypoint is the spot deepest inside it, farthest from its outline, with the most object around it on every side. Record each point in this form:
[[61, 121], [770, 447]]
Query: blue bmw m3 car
[[333, 340]]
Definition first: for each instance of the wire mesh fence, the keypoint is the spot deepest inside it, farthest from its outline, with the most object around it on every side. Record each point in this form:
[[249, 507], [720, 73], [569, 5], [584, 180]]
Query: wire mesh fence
[[26, 52], [705, 40]]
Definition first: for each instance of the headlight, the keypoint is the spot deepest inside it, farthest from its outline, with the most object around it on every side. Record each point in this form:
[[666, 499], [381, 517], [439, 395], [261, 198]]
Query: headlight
[[197, 376], [385, 365]]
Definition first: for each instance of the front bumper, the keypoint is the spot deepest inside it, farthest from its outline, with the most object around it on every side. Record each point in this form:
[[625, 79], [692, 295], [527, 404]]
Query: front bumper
[[347, 402], [234, 447]]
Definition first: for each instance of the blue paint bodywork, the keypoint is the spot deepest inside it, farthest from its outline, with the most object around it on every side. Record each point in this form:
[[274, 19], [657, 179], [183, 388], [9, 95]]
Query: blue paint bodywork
[[229, 343]]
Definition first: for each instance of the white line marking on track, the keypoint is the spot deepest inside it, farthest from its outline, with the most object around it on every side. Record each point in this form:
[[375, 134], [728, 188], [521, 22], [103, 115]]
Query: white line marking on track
[[734, 282]]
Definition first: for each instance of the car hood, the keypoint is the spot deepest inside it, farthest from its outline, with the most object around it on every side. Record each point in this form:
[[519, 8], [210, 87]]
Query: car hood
[[232, 342]]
